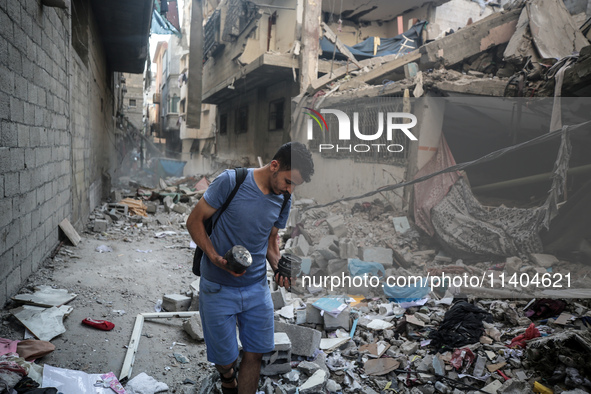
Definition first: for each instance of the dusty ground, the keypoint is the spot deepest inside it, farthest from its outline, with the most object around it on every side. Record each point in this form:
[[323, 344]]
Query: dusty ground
[[122, 280]]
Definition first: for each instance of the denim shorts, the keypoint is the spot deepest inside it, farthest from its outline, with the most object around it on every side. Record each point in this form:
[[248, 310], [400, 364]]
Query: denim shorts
[[223, 307]]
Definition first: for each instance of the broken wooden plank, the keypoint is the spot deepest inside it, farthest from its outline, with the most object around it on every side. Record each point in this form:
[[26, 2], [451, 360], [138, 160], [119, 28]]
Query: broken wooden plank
[[329, 34], [70, 232]]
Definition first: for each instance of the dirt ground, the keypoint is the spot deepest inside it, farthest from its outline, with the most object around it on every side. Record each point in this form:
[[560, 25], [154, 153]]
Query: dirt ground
[[117, 286]]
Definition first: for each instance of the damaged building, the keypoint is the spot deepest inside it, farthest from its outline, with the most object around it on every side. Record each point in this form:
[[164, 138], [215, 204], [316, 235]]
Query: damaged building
[[442, 246]]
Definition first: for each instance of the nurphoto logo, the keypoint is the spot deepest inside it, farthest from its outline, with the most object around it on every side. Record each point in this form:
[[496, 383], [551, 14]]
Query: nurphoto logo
[[393, 123]]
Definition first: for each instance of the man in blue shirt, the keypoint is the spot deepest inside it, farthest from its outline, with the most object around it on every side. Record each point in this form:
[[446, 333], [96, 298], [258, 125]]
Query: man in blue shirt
[[227, 299]]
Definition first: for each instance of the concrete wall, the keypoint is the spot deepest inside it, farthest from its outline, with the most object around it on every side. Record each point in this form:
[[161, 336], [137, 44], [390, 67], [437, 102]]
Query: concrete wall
[[56, 113], [135, 91], [334, 179], [258, 140]]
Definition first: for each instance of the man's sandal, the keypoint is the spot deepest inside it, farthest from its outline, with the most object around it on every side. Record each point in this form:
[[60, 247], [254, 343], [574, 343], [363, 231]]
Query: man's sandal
[[231, 379]]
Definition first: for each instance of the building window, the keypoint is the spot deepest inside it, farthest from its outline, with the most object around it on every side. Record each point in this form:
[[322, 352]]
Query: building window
[[242, 120], [276, 114], [132, 103], [223, 123], [164, 65], [174, 104]]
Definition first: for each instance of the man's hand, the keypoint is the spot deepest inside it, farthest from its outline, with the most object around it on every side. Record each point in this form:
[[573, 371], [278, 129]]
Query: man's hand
[[223, 264], [282, 281]]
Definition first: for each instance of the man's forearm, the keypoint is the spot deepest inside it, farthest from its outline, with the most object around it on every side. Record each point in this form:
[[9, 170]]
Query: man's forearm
[[273, 252]]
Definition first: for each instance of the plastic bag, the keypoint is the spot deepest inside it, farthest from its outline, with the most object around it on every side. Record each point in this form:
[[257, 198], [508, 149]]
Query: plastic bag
[[416, 290], [71, 381], [359, 268]]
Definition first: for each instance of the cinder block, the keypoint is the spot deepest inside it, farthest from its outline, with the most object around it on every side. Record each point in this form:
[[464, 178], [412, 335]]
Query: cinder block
[[347, 249], [279, 360], [175, 302], [168, 204], [304, 341], [193, 327], [152, 208], [100, 225], [179, 208], [332, 323], [337, 226], [278, 298], [313, 315]]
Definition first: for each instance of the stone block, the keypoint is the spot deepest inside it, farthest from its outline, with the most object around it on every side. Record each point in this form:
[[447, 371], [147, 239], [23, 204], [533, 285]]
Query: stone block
[[379, 255], [337, 267], [193, 328], [313, 315], [544, 260], [304, 341], [194, 286], [315, 383], [409, 348], [175, 302], [343, 320], [278, 298], [151, 207], [300, 247], [347, 249], [337, 226], [100, 225], [180, 208], [168, 204]]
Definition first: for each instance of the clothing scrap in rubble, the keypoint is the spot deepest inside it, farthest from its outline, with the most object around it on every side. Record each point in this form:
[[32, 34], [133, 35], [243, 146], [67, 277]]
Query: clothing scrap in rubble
[[545, 308], [462, 325]]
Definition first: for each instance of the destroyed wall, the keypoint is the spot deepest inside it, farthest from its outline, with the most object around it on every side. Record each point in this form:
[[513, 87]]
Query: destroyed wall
[[134, 110], [56, 108], [450, 15], [352, 33], [252, 41]]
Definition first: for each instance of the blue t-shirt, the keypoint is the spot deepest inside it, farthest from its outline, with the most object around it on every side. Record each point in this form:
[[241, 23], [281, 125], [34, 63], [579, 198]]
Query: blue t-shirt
[[247, 221]]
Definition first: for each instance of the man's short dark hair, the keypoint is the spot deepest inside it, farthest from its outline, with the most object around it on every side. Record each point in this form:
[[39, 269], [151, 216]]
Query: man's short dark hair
[[295, 155]]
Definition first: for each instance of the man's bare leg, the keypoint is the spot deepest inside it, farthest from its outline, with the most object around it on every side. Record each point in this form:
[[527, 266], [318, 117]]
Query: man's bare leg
[[250, 370], [227, 371]]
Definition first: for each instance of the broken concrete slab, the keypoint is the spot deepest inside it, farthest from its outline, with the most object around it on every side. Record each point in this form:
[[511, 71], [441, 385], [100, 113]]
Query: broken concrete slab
[[554, 43], [305, 341], [46, 296], [544, 260], [314, 384], [193, 328], [380, 366], [44, 323], [342, 320], [330, 344]]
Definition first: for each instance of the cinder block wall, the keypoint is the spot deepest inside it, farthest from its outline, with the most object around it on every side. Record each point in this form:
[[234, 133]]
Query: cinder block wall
[[37, 135]]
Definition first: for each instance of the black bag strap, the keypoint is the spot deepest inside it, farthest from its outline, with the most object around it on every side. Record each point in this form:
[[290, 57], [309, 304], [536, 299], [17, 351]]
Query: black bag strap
[[241, 173]]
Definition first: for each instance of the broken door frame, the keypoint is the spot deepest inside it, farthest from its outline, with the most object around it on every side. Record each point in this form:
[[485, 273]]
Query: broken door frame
[[134, 342]]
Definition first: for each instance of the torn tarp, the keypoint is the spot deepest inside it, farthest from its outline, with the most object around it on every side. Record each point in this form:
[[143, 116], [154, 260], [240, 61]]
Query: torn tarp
[[401, 44]]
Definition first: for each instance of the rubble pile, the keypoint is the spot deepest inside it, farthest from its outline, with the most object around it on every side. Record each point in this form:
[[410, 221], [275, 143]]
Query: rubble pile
[[363, 334]]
